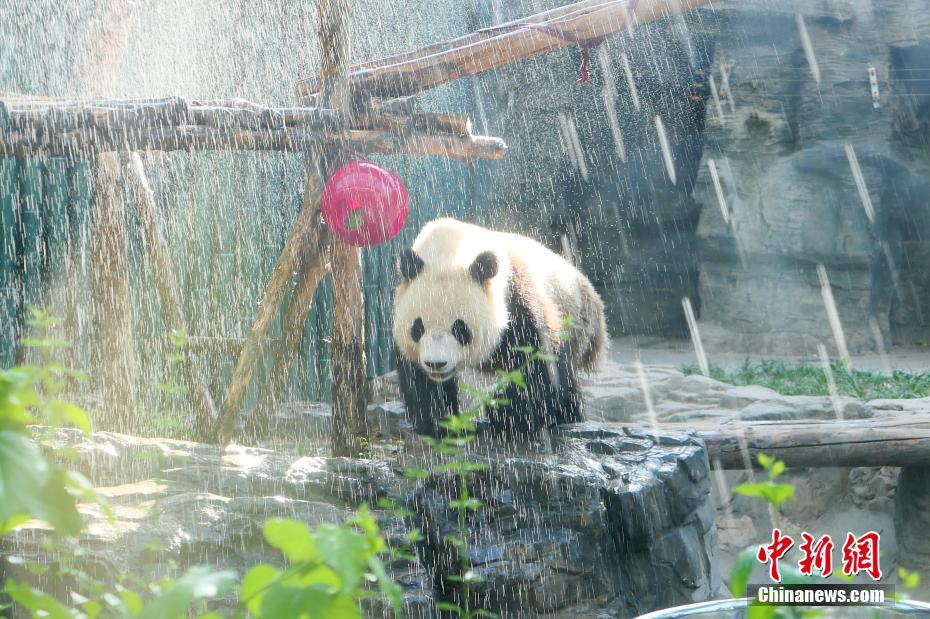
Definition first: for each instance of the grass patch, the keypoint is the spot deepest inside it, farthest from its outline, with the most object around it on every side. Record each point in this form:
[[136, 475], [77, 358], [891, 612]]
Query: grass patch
[[804, 379]]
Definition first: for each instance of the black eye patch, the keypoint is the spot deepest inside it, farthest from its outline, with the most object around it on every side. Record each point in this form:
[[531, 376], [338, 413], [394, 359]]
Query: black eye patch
[[417, 330], [461, 332]]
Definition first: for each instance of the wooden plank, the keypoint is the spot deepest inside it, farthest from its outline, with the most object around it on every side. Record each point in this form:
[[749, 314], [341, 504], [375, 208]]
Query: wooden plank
[[172, 313], [83, 143], [884, 441], [412, 72]]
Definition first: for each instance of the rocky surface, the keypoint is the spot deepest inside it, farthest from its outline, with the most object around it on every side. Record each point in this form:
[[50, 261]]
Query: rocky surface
[[600, 522], [788, 199]]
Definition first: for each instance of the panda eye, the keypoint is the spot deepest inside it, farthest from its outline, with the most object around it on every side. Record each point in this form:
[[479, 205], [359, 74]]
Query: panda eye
[[461, 332], [417, 330]]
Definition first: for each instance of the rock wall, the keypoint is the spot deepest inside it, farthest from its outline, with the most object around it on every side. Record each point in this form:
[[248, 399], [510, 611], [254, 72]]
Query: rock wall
[[784, 142]]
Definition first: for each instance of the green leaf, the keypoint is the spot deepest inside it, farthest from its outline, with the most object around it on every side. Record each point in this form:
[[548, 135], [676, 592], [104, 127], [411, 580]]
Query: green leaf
[[909, 579], [254, 584], [132, 601], [291, 537], [773, 493], [345, 551], [757, 611], [450, 607], [777, 469], [741, 571], [765, 460], [38, 603], [30, 484], [388, 587], [197, 583]]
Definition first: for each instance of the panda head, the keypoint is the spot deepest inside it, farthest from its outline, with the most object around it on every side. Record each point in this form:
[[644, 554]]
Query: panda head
[[449, 316]]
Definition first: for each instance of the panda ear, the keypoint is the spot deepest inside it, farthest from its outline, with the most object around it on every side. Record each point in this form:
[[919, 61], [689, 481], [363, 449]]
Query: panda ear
[[409, 265], [484, 267]]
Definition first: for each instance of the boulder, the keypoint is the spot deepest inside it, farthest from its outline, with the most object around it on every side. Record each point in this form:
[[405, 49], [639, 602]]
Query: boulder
[[600, 519]]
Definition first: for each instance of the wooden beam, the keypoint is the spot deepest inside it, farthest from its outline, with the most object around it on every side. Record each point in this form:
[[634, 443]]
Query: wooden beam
[[172, 313], [303, 233], [883, 441], [43, 116], [412, 72], [84, 143]]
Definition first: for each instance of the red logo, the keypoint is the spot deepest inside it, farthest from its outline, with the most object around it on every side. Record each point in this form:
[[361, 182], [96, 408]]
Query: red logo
[[817, 556], [860, 554], [774, 551]]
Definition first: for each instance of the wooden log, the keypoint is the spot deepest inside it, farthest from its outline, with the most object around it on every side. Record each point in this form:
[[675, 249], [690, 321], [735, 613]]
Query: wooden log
[[70, 116], [110, 294], [883, 441], [99, 69], [349, 366], [314, 266], [172, 313], [412, 72], [84, 143], [42, 116], [302, 233]]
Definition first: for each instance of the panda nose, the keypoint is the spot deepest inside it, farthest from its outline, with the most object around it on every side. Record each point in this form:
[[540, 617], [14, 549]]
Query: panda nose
[[435, 365]]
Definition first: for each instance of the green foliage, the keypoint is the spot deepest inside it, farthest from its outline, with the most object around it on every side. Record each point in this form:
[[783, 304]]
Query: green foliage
[[32, 485], [803, 379], [773, 493], [327, 570]]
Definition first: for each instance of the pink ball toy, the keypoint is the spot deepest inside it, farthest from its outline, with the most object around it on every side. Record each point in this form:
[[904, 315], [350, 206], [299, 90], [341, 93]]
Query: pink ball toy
[[364, 204]]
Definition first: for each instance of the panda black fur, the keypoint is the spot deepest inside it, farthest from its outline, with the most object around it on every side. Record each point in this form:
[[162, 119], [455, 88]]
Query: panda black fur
[[469, 298]]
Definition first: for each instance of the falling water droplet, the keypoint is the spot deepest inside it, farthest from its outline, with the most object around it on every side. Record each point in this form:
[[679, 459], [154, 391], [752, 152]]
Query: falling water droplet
[[860, 182], [718, 188], [647, 399], [826, 291], [808, 48], [715, 95], [831, 380], [614, 122], [695, 336], [879, 344], [630, 82], [666, 151], [573, 144]]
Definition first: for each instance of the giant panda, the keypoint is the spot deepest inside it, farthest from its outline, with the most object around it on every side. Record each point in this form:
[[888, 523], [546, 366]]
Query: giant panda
[[469, 301]]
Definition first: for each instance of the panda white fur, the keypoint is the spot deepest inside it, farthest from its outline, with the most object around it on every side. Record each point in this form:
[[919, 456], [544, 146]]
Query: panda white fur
[[467, 300]]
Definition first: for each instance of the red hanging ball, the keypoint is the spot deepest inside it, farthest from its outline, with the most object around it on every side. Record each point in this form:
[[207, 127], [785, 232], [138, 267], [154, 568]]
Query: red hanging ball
[[364, 204]]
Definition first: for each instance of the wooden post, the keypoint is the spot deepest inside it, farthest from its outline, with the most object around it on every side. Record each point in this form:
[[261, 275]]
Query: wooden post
[[350, 424], [100, 68], [113, 312], [172, 313]]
